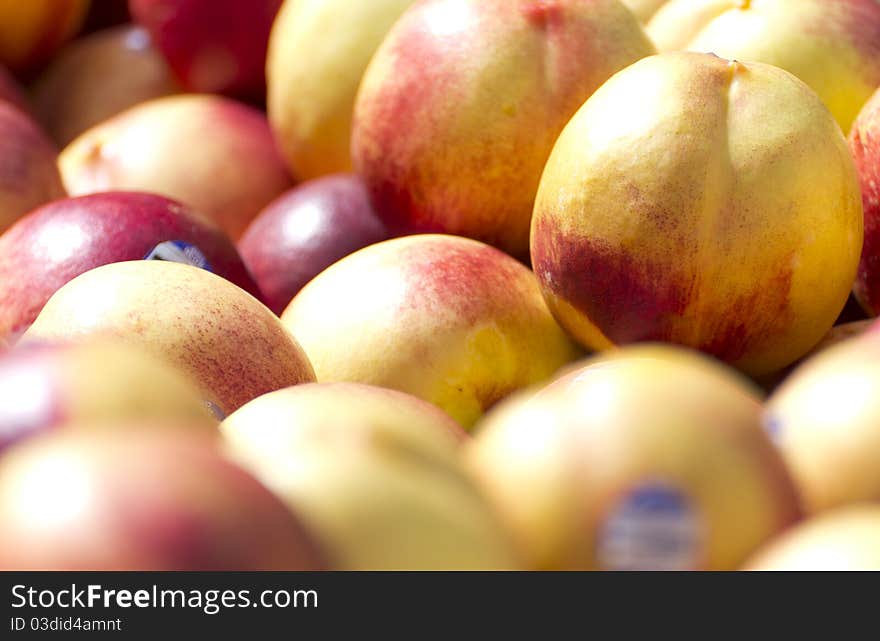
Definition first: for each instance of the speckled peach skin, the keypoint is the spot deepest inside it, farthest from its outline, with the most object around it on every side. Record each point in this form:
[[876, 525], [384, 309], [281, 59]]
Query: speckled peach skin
[[60, 240], [459, 108], [94, 384], [736, 229], [211, 153], [832, 46], [141, 499], [448, 319], [228, 341]]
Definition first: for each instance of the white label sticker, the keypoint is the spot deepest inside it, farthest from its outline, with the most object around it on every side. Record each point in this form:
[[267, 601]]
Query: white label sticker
[[651, 527], [178, 251]]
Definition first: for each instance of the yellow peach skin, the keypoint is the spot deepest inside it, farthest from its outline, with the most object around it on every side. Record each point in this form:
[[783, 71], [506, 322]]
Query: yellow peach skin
[[825, 418], [447, 319], [229, 342], [318, 52], [32, 30], [846, 539], [374, 472], [736, 228], [649, 458], [832, 46], [462, 102], [98, 383], [214, 154]]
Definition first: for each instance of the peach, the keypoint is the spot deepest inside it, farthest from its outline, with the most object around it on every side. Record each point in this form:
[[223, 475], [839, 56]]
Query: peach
[[214, 46], [736, 229], [130, 499], [211, 153], [837, 334], [841, 333], [59, 241], [32, 31], [96, 77], [825, 419], [96, 383], [447, 319], [223, 337], [652, 458], [846, 539], [28, 174], [374, 473], [864, 142], [305, 230], [832, 46], [459, 108], [318, 52], [332, 404]]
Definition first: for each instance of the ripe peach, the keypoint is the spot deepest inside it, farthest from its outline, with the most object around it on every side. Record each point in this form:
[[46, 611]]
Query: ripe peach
[[214, 46], [864, 142], [211, 153], [736, 228], [832, 46], [375, 473], [304, 231], [28, 174], [825, 419], [223, 337], [649, 458], [447, 319], [141, 499], [846, 539], [96, 77], [59, 241], [459, 108], [96, 383], [318, 52]]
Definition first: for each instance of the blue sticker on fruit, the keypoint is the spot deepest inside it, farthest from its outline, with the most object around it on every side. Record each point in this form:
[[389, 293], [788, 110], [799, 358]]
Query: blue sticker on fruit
[[178, 251], [218, 413], [651, 527], [773, 427]]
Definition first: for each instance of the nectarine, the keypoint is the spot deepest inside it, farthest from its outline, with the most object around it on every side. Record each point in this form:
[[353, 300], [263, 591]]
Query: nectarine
[[448, 319], [651, 458], [700, 201]]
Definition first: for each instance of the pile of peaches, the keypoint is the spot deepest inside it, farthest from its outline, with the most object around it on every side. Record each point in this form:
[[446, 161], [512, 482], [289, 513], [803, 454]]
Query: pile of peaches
[[439, 284]]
